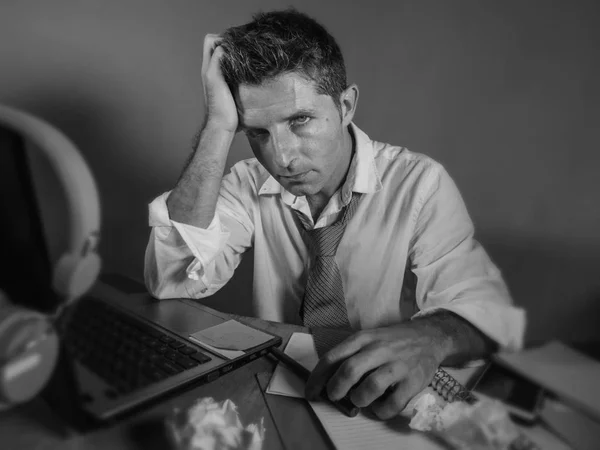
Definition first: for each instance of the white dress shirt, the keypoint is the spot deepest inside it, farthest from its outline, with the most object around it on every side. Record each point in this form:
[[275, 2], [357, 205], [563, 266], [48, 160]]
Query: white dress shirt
[[410, 216]]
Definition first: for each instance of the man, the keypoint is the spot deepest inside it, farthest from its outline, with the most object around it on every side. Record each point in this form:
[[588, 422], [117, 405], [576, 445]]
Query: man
[[407, 277]]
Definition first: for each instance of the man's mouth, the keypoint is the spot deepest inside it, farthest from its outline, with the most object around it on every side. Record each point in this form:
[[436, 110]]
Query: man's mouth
[[296, 177]]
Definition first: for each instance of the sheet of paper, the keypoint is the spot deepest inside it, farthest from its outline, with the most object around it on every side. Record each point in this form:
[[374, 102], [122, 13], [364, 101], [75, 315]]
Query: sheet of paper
[[346, 433], [229, 354], [301, 348], [568, 373], [232, 335], [285, 382]]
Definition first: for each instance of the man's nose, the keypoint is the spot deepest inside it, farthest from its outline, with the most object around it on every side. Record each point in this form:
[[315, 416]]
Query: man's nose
[[285, 148]]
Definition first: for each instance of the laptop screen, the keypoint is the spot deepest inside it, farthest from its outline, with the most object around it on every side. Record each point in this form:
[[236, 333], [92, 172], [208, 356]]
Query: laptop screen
[[27, 273]]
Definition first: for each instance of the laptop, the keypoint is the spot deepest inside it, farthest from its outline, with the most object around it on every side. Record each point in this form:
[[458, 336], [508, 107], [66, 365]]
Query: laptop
[[119, 351]]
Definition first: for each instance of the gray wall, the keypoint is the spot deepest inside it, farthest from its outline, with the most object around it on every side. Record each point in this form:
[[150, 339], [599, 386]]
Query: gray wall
[[505, 94]]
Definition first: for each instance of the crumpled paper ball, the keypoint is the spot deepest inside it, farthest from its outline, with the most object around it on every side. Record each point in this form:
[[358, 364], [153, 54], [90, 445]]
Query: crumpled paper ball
[[426, 414], [211, 425], [483, 425]]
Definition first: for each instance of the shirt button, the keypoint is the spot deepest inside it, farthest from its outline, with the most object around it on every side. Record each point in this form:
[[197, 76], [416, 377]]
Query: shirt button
[[203, 290]]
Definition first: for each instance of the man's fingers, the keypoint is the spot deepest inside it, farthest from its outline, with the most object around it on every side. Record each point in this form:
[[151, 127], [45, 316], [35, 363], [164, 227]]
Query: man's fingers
[[218, 53], [210, 42], [355, 370], [376, 383], [330, 362], [395, 400], [213, 70]]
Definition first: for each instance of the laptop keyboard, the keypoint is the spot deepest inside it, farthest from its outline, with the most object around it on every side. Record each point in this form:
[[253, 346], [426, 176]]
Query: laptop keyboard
[[126, 353]]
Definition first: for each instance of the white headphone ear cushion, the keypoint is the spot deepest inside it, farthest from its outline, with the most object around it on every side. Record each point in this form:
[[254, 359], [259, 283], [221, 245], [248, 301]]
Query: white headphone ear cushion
[[74, 276], [29, 353]]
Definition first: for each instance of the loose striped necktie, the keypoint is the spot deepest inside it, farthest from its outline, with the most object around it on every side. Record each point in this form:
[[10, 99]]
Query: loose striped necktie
[[324, 305]]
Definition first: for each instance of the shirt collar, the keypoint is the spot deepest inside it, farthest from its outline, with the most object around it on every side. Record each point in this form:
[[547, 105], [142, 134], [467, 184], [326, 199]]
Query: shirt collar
[[362, 175]]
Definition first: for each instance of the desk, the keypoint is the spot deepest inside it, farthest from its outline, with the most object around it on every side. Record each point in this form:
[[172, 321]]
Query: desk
[[33, 426]]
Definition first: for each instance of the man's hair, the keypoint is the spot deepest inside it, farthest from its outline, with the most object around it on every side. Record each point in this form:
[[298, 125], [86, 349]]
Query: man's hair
[[280, 42]]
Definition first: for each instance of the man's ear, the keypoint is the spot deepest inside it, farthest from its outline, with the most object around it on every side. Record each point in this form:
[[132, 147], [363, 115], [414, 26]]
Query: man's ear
[[348, 103]]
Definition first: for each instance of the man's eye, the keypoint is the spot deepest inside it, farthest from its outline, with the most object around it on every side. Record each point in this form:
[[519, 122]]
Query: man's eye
[[301, 120]]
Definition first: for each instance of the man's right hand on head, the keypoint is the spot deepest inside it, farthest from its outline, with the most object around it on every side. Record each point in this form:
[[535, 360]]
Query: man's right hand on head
[[221, 112], [193, 201]]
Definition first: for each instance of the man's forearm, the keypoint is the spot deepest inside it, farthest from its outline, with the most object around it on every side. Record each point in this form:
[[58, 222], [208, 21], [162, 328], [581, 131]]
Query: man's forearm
[[193, 200], [458, 341]]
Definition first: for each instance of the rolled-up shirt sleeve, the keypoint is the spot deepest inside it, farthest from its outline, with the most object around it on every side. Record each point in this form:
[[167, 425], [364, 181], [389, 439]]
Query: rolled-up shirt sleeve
[[182, 260], [455, 273]]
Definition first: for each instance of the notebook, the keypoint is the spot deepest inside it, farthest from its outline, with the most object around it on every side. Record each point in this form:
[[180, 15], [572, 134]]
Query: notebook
[[364, 431]]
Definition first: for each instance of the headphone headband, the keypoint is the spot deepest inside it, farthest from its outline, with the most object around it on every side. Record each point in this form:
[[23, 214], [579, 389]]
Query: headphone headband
[[78, 268], [73, 172]]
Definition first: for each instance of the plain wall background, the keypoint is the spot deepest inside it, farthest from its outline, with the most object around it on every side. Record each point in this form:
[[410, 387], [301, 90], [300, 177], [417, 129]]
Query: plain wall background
[[504, 93]]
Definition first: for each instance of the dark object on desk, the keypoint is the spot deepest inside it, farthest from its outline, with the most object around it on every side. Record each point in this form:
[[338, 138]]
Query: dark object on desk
[[588, 348], [344, 405], [290, 414], [522, 398], [150, 433]]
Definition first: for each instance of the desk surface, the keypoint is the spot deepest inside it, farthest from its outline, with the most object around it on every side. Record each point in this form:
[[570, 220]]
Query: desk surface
[[289, 422], [33, 426]]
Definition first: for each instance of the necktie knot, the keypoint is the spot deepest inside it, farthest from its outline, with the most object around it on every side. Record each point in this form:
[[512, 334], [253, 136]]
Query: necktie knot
[[325, 241]]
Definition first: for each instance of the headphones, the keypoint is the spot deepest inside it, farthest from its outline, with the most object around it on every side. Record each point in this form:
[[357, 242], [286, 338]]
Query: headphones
[[28, 339]]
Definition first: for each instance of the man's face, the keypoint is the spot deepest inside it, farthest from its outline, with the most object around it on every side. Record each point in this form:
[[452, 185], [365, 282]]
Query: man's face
[[295, 133]]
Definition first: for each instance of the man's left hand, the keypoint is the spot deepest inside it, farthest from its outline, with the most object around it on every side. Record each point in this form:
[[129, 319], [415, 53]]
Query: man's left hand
[[383, 367]]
